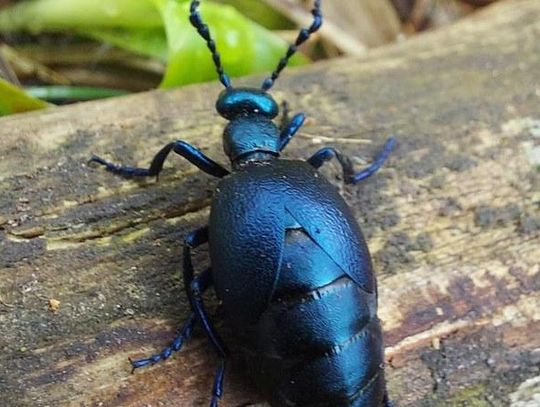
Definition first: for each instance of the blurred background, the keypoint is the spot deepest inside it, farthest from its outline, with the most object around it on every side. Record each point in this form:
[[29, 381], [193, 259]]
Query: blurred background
[[63, 51]]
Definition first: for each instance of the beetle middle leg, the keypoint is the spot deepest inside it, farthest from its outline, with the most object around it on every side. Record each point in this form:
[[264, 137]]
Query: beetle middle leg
[[186, 150], [195, 286], [327, 153]]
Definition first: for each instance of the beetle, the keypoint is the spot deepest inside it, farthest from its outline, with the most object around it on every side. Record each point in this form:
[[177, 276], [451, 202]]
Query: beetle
[[288, 260]]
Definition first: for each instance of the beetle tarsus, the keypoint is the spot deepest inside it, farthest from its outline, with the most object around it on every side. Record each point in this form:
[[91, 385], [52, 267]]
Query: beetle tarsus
[[175, 346], [186, 150], [120, 170], [379, 161]]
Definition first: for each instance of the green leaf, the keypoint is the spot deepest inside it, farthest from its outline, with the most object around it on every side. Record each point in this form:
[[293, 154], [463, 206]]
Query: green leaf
[[15, 100], [245, 46], [134, 25], [262, 13], [57, 15], [79, 93], [151, 42]]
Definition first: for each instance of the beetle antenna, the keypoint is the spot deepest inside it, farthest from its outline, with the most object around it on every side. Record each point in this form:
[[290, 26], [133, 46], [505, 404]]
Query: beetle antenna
[[303, 36], [204, 31]]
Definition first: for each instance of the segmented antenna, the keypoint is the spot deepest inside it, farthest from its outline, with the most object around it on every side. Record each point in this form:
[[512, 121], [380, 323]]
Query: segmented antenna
[[303, 36], [204, 31]]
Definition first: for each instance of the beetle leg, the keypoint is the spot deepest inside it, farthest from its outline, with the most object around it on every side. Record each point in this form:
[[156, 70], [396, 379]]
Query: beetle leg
[[202, 282], [327, 153], [217, 390], [288, 131], [175, 346], [195, 286], [192, 154], [194, 239]]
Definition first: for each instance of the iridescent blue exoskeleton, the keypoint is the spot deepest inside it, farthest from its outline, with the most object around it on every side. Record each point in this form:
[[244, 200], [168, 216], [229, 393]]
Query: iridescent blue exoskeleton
[[287, 258]]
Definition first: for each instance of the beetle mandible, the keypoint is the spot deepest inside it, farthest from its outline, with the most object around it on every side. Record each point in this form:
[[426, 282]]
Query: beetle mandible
[[287, 258]]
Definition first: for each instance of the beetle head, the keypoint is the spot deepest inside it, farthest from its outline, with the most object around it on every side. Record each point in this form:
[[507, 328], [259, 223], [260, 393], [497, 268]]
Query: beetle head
[[250, 112], [235, 102]]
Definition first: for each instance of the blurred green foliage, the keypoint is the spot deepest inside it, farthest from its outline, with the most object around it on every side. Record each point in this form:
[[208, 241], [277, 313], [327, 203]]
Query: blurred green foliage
[[14, 100], [160, 29], [62, 93]]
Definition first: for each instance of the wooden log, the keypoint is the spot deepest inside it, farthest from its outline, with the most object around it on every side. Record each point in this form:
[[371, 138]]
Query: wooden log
[[453, 223]]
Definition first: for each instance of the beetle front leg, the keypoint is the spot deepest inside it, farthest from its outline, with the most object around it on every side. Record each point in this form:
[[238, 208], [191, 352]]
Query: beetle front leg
[[327, 153], [289, 130], [186, 150]]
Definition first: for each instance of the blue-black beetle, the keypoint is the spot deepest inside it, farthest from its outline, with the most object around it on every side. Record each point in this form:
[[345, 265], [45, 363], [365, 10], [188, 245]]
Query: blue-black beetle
[[288, 260]]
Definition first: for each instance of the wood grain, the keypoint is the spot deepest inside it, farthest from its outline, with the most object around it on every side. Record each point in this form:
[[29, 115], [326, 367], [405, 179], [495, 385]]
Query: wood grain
[[453, 223]]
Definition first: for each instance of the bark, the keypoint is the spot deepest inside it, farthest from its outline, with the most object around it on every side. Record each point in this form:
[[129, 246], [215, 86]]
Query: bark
[[453, 224]]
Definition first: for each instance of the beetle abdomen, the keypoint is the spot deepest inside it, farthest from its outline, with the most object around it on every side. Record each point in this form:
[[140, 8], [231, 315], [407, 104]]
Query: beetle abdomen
[[319, 341]]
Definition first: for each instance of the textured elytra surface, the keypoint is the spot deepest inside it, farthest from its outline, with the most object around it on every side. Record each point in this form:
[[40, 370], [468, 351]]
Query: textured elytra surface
[[452, 223]]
